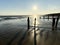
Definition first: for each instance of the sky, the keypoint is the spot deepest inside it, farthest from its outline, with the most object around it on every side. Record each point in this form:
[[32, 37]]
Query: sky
[[29, 7]]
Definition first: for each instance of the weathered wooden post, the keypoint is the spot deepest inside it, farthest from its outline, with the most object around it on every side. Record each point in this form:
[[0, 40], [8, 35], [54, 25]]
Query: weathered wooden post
[[28, 23], [53, 23], [56, 23], [35, 31], [48, 17], [34, 23]]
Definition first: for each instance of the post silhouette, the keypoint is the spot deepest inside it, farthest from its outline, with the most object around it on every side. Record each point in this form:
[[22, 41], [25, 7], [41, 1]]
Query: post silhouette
[[56, 23], [35, 31], [28, 23], [34, 23], [53, 23], [48, 17]]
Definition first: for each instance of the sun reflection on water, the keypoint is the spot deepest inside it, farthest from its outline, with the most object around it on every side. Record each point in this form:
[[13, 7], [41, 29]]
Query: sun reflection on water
[[33, 18]]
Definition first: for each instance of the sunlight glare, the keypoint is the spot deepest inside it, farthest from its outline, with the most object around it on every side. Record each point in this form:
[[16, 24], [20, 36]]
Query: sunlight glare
[[33, 17], [34, 7]]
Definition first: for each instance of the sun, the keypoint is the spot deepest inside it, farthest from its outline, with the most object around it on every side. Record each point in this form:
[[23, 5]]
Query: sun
[[34, 7]]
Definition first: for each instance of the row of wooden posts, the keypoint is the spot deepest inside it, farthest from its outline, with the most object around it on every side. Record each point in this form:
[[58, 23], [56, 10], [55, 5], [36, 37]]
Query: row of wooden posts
[[54, 22]]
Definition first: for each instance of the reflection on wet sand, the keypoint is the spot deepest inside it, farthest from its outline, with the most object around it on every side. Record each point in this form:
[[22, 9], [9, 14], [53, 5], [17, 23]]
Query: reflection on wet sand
[[42, 38]]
